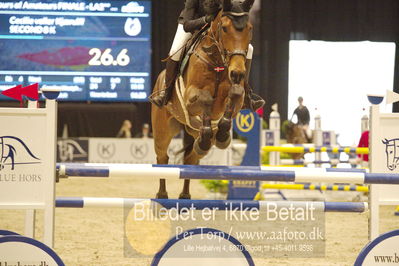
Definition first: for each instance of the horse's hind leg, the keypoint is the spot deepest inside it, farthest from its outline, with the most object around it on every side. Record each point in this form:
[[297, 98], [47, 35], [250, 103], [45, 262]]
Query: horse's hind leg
[[223, 137], [162, 158], [163, 132], [191, 158]]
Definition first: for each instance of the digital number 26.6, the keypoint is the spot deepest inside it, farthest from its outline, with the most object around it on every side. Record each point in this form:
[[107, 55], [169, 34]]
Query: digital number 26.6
[[105, 58]]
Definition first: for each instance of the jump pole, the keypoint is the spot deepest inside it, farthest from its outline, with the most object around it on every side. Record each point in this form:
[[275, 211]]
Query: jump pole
[[316, 187], [222, 205], [306, 162], [315, 149], [308, 175]]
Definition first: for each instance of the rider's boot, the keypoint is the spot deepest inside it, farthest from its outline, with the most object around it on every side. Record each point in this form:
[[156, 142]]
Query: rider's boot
[[252, 101], [164, 95]]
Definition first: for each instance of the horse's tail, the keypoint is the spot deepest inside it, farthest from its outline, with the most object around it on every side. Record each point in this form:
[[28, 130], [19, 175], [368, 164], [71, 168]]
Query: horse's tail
[[188, 144], [180, 151]]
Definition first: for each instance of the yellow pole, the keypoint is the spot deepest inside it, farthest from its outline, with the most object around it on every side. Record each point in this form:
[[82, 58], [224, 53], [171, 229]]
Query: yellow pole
[[312, 149], [314, 187]]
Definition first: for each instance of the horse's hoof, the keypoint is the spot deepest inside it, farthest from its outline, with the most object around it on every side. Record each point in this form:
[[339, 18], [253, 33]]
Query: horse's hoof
[[206, 133], [236, 91], [224, 124], [184, 196], [162, 195], [223, 144], [200, 151]]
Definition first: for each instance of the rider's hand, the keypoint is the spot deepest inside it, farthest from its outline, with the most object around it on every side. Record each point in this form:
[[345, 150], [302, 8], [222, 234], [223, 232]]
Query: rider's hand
[[209, 18]]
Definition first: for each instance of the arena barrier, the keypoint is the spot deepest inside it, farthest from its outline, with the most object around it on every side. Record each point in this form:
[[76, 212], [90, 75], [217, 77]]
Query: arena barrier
[[222, 205], [27, 161], [316, 187], [326, 175]]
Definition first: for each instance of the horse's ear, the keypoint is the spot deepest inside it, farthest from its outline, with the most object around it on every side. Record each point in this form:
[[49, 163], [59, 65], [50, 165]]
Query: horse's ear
[[227, 5], [247, 5]]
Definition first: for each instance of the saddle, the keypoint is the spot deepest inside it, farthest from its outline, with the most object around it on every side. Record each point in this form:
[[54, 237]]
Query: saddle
[[190, 47]]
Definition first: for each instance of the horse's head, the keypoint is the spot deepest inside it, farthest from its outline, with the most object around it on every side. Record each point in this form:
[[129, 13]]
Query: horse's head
[[390, 150], [234, 33]]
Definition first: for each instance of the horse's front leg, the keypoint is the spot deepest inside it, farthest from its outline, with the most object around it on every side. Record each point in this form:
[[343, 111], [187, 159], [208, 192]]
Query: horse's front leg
[[223, 136], [200, 103]]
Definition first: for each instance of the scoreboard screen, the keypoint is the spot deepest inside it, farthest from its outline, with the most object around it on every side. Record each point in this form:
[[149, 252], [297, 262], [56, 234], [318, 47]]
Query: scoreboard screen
[[89, 50]]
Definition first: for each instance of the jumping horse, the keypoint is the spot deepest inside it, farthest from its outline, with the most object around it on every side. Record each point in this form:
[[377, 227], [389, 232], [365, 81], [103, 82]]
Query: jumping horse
[[208, 94], [296, 135]]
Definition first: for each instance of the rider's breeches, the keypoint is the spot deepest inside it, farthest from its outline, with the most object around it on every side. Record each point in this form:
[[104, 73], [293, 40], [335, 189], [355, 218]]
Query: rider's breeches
[[250, 51], [181, 37]]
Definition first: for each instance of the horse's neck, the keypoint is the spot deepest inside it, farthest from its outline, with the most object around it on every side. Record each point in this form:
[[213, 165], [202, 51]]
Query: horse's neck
[[209, 46], [211, 40]]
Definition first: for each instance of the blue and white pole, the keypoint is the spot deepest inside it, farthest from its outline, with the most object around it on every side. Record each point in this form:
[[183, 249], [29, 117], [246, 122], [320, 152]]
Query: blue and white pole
[[254, 173]]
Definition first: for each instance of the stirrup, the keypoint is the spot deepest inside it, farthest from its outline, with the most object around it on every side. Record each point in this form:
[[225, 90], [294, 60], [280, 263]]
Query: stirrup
[[158, 98], [256, 104]]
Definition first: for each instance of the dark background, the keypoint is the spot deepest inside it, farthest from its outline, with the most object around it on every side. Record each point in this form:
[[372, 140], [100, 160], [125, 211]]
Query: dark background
[[278, 22]]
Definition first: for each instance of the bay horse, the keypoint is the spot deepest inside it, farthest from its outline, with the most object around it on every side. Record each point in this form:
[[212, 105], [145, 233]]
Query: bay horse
[[296, 135], [213, 93]]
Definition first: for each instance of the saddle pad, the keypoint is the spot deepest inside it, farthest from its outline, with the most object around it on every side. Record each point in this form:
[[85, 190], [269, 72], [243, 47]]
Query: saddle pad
[[189, 48], [194, 122]]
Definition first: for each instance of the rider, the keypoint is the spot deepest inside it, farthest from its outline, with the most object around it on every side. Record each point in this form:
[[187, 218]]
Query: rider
[[195, 15], [302, 113], [303, 116]]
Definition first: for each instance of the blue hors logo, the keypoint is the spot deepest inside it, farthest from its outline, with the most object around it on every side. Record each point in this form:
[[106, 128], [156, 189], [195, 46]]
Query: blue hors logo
[[68, 150], [14, 151], [392, 152]]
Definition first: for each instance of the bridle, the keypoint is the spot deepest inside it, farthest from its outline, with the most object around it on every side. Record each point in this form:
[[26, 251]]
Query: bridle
[[224, 54]]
